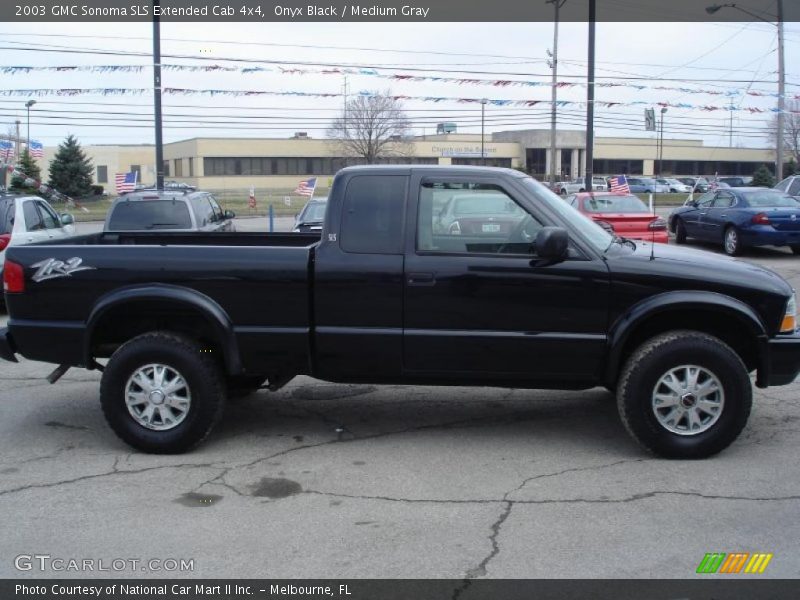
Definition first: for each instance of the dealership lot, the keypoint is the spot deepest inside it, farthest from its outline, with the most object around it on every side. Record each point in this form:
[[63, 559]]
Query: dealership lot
[[323, 480]]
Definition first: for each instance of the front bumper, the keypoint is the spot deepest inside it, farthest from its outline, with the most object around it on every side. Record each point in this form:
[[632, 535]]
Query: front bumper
[[7, 346], [782, 361]]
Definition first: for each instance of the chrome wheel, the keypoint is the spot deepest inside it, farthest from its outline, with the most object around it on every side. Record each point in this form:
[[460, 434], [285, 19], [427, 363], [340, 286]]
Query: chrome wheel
[[688, 400], [731, 241], [158, 397]]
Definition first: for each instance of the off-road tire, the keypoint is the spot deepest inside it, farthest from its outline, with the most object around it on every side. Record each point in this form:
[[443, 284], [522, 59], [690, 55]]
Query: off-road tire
[[654, 358], [199, 370]]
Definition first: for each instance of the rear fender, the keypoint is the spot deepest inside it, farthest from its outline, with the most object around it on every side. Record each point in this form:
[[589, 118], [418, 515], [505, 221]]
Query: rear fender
[[198, 302]]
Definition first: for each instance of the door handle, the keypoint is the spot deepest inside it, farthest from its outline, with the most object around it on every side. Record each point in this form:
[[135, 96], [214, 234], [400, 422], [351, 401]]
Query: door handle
[[703, 213], [421, 279], [723, 215]]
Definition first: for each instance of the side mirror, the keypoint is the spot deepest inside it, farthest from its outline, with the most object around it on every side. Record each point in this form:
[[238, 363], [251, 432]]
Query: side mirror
[[551, 243], [229, 214], [67, 219]]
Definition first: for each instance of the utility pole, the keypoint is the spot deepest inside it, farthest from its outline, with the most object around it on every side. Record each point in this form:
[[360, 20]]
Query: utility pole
[[157, 99], [590, 101], [483, 113], [18, 154], [730, 131], [781, 99], [557, 4]]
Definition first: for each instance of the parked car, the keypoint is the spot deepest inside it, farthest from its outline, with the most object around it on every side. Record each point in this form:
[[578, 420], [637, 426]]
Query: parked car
[[599, 183], [571, 187], [312, 217], [738, 218], [737, 181], [30, 219], [184, 320], [168, 211], [698, 184], [674, 186], [626, 215], [471, 214], [646, 185], [790, 185]]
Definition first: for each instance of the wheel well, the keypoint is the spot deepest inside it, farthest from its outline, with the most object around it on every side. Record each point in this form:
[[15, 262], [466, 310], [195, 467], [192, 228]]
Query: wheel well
[[125, 321], [736, 334]]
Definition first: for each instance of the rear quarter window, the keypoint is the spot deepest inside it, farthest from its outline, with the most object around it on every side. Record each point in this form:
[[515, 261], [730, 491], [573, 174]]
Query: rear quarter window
[[150, 215], [372, 215]]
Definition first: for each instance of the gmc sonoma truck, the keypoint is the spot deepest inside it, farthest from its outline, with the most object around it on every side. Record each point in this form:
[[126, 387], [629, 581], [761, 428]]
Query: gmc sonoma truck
[[524, 292]]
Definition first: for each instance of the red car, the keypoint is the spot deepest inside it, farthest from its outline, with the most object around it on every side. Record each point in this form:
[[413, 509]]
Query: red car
[[622, 214]]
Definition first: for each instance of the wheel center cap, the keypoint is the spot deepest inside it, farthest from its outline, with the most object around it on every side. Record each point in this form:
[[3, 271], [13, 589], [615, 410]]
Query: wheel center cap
[[688, 400], [157, 397]]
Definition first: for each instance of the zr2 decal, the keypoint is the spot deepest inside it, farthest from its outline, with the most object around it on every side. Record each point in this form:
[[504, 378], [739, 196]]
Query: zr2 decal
[[52, 268]]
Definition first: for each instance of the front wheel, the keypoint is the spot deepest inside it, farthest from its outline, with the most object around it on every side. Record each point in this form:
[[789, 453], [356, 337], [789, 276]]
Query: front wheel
[[161, 394], [684, 394], [732, 241]]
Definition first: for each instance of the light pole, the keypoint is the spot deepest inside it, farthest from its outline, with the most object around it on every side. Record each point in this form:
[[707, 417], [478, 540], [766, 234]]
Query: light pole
[[483, 119], [557, 4], [661, 144], [781, 75], [590, 100], [28, 105]]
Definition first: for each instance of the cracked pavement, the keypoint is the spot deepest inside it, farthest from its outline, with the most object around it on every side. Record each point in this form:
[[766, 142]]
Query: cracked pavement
[[323, 480]]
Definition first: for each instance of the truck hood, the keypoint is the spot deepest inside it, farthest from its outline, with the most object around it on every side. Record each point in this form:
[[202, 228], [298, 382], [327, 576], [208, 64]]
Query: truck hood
[[702, 268]]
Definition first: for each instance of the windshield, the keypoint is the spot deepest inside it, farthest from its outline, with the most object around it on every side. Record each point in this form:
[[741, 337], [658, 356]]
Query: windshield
[[616, 204], [314, 213], [768, 198], [590, 231], [141, 215], [488, 204]]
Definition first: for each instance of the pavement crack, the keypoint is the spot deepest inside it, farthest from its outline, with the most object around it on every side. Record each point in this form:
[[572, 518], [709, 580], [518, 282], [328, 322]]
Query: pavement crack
[[113, 472]]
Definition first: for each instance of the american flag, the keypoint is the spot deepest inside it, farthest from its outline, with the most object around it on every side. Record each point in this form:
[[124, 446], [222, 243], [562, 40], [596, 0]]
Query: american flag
[[6, 150], [306, 187], [619, 185], [36, 149], [125, 182]]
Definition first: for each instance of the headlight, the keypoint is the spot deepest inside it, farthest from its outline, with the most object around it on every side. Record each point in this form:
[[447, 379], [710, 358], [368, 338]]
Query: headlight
[[789, 322]]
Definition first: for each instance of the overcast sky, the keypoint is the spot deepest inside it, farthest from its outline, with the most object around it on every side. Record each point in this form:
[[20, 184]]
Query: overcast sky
[[706, 54]]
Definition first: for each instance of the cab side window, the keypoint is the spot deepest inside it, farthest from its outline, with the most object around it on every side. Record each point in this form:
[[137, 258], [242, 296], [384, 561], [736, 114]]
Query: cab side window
[[724, 200]]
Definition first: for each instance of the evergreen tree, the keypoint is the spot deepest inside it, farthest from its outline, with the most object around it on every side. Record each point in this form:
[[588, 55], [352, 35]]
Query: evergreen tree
[[790, 168], [28, 166], [70, 171], [763, 177]]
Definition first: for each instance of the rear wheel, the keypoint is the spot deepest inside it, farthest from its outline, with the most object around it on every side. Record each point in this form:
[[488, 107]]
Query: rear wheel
[[161, 394], [732, 241], [795, 249], [684, 394], [680, 232]]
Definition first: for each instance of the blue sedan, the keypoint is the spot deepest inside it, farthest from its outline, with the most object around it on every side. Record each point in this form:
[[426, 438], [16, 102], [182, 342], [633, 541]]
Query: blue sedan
[[739, 217]]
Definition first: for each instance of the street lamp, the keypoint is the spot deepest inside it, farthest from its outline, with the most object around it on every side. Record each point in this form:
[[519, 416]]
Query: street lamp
[[483, 114], [781, 74], [28, 105]]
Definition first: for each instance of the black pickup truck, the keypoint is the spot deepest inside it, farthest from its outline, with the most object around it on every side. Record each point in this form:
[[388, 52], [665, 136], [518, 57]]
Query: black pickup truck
[[423, 275]]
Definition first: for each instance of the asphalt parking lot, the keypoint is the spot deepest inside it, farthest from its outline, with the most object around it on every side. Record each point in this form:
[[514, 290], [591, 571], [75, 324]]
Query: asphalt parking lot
[[323, 480]]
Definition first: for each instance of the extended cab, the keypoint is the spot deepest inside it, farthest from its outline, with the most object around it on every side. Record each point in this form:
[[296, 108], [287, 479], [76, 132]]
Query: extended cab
[[543, 298]]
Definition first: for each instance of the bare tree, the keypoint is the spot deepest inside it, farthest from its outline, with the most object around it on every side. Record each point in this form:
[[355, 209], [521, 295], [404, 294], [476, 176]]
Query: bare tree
[[791, 130], [372, 127]]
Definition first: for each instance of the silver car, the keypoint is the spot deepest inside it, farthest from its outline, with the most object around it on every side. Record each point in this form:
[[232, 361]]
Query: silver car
[[168, 211]]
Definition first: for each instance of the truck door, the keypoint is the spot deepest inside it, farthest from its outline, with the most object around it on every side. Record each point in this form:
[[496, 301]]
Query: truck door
[[478, 305], [358, 279]]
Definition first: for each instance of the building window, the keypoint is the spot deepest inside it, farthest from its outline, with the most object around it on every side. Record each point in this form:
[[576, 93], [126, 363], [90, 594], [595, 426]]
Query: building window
[[219, 166], [166, 168], [490, 162], [536, 159], [566, 163], [138, 170], [178, 167], [618, 167], [191, 167], [102, 174]]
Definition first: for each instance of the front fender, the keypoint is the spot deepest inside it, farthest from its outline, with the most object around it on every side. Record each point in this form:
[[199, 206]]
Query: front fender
[[742, 315], [213, 312]]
